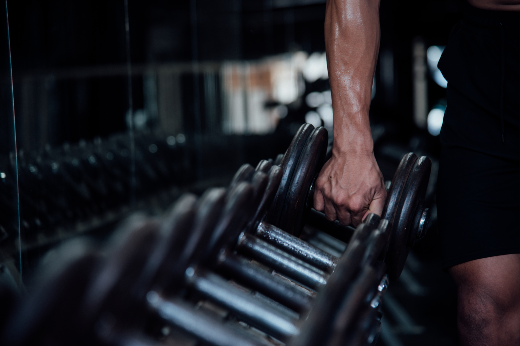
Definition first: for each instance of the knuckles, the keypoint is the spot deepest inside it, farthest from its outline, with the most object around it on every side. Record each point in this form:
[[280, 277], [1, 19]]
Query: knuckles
[[355, 204]]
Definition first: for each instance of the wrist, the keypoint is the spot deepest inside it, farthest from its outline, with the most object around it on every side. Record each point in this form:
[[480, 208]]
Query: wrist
[[353, 143]]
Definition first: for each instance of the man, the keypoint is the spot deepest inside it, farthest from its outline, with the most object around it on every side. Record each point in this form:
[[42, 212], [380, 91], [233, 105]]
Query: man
[[479, 178]]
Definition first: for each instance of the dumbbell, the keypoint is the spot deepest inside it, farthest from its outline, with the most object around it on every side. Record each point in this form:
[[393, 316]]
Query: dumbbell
[[147, 260], [204, 283], [125, 266], [225, 232], [292, 203], [48, 315], [287, 263], [377, 243], [213, 284], [292, 254], [51, 315]]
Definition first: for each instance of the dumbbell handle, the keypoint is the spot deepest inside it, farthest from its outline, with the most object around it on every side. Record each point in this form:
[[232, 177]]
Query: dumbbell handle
[[196, 322], [281, 261], [263, 281], [334, 228], [245, 306], [296, 247]]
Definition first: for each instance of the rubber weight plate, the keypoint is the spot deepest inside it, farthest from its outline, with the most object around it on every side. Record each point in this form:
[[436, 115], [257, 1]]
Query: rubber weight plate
[[396, 191], [318, 325], [410, 205], [208, 210], [48, 315], [278, 160], [175, 231], [244, 173], [237, 212], [111, 290], [288, 164], [264, 166], [309, 165], [259, 182], [275, 176]]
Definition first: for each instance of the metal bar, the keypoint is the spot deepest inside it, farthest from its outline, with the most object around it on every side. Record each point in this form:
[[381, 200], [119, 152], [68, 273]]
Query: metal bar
[[281, 261], [243, 305], [257, 278], [335, 229], [296, 247], [197, 323]]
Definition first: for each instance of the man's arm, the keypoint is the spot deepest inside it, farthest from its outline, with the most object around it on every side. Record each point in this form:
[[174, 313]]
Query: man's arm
[[350, 185]]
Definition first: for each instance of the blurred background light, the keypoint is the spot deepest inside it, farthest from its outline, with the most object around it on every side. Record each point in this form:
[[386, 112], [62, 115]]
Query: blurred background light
[[325, 112], [433, 55], [435, 118], [313, 118], [327, 97], [315, 67], [314, 99]]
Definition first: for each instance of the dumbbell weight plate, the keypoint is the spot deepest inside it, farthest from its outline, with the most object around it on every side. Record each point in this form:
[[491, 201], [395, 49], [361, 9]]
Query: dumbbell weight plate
[[395, 192], [237, 212], [264, 166], [170, 247], [48, 315], [288, 164], [244, 173], [111, 288], [275, 176], [278, 160], [259, 181], [209, 209], [309, 164], [410, 204], [317, 327], [355, 303]]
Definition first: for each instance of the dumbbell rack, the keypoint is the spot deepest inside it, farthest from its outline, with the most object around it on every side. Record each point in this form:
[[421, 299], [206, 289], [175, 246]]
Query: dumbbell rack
[[217, 269], [75, 189]]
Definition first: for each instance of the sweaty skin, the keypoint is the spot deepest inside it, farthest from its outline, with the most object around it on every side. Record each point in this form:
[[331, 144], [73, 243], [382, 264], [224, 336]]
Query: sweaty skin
[[350, 185]]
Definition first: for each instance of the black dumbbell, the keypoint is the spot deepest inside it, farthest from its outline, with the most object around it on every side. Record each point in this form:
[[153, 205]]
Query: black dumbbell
[[288, 263], [145, 257], [292, 204], [159, 267], [48, 315], [263, 254], [296, 259], [203, 282]]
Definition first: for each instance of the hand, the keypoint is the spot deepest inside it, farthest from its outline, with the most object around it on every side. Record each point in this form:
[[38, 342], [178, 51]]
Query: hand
[[349, 187]]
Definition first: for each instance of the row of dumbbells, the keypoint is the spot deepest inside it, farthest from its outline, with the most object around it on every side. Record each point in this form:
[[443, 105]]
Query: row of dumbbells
[[215, 269], [60, 186]]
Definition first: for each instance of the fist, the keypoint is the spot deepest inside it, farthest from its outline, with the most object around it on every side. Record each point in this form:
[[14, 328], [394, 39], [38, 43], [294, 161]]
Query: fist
[[349, 187]]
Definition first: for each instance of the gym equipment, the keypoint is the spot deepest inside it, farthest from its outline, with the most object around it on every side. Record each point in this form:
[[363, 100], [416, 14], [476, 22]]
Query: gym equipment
[[217, 269], [404, 208]]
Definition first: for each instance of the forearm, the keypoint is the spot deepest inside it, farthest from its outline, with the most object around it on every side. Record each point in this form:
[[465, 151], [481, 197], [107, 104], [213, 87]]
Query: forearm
[[352, 44]]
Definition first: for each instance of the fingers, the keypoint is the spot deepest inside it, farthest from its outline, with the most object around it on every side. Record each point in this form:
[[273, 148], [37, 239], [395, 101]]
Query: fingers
[[378, 203], [330, 211], [344, 216], [322, 204], [319, 202], [376, 206]]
